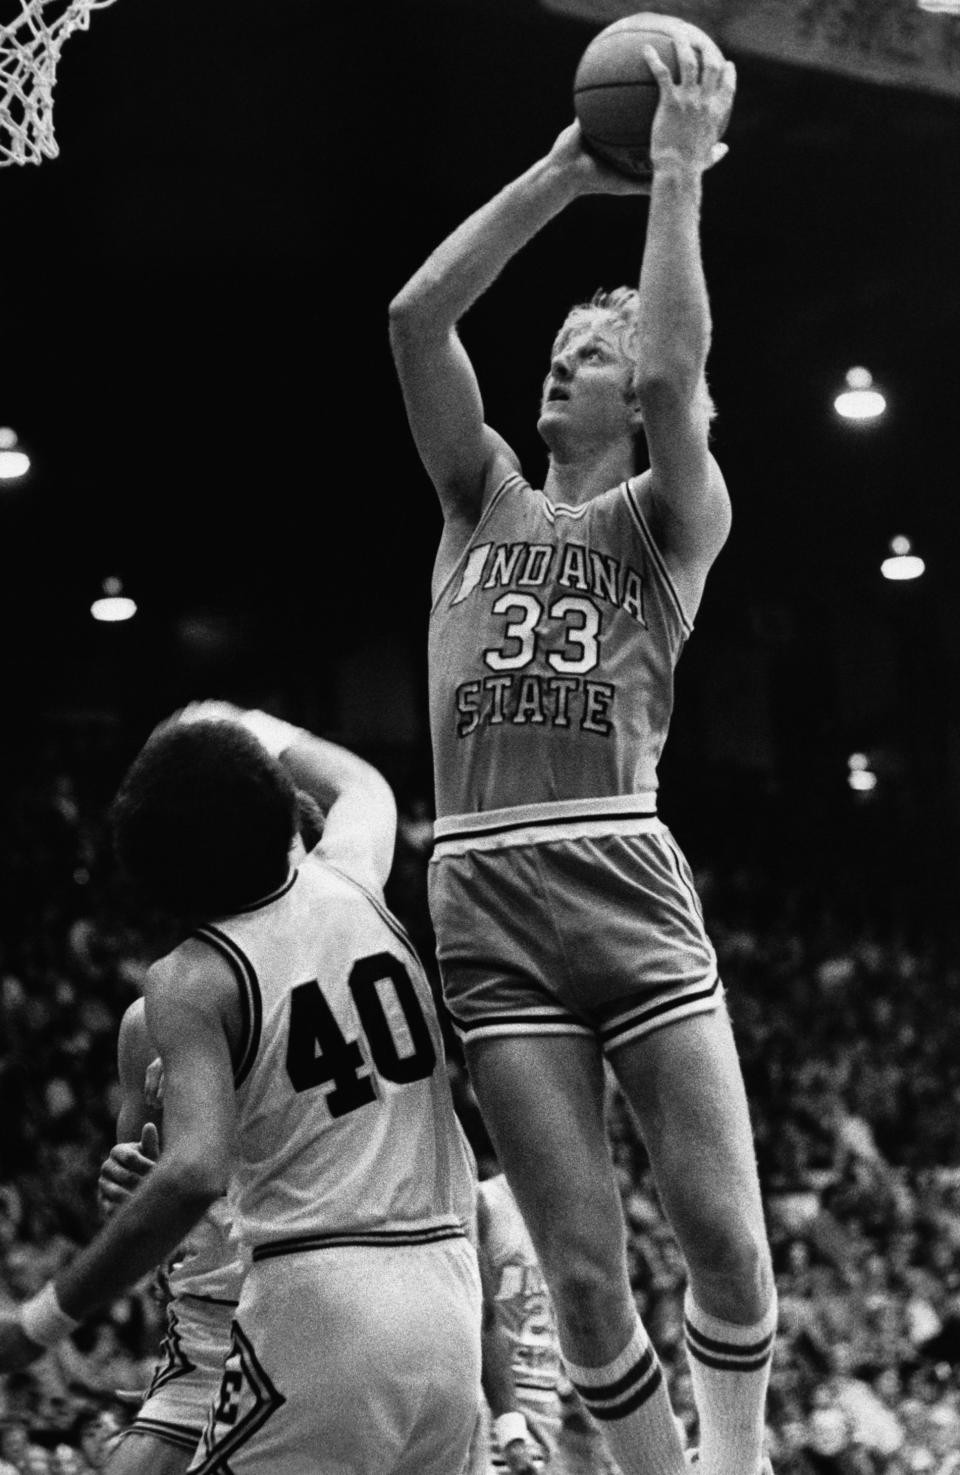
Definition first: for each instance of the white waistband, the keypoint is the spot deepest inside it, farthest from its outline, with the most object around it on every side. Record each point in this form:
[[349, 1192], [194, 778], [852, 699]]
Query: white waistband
[[531, 824]]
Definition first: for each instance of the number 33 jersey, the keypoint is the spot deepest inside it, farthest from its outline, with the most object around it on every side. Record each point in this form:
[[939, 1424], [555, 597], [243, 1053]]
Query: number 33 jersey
[[347, 1132], [552, 650]]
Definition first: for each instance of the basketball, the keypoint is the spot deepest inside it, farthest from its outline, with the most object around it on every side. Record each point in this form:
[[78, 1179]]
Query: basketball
[[615, 94]]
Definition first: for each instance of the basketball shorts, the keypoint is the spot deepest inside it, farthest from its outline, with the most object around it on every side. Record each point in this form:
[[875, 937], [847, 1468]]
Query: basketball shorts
[[351, 1360], [580, 933], [188, 1371]]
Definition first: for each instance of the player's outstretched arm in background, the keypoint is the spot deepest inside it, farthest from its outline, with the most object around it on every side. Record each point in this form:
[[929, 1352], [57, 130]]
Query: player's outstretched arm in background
[[462, 456]]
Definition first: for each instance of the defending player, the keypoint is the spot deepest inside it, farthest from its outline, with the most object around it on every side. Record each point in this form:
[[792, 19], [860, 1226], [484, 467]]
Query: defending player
[[202, 1281], [567, 923], [521, 1350], [301, 1050]]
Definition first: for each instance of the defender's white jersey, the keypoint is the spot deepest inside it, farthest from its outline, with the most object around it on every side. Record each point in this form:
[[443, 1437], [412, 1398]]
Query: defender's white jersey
[[347, 1132], [523, 1306], [210, 1263]]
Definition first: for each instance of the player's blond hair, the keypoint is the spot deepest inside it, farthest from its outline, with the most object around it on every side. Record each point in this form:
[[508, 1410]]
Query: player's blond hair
[[620, 308]]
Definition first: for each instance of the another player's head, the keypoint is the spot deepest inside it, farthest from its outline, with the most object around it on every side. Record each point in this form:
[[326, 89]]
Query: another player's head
[[599, 348], [204, 819]]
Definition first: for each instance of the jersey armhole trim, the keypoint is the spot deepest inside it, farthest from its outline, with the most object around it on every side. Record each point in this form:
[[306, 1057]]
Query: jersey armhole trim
[[514, 480], [251, 1003], [659, 562]]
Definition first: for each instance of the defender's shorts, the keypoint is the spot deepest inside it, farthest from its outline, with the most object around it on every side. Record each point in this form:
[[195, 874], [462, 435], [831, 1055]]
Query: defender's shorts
[[351, 1360], [188, 1371], [579, 927]]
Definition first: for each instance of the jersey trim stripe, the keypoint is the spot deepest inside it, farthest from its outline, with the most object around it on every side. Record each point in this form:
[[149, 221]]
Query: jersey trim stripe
[[657, 556], [499, 822], [265, 901], [512, 479], [553, 510], [180, 1435], [207, 1300], [367, 1238], [251, 1004]]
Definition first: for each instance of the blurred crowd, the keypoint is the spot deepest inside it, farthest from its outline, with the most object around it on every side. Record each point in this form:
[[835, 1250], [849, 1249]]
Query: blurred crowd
[[847, 1033]]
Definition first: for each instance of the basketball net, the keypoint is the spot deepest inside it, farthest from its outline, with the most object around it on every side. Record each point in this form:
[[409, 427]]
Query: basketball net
[[29, 53]]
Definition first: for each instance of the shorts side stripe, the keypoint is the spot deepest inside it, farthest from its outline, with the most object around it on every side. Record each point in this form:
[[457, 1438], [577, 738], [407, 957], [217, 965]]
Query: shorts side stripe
[[683, 879], [531, 1021], [641, 1021]]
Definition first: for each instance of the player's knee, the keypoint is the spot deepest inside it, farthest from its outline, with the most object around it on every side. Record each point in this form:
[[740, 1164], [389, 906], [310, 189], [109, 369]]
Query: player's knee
[[589, 1287], [734, 1258]]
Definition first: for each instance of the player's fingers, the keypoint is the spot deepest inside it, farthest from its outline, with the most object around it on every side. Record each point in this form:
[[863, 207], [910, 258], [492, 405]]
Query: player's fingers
[[150, 1141], [720, 151], [126, 1164], [688, 64], [119, 1179], [711, 69], [658, 67], [728, 81], [712, 57]]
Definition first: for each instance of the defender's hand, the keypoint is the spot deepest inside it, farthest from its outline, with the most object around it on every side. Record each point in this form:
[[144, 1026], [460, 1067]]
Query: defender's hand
[[123, 1169], [692, 112]]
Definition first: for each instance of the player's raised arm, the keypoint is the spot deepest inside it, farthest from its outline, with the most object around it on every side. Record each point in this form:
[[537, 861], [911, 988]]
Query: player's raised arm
[[461, 454], [674, 318], [360, 824]]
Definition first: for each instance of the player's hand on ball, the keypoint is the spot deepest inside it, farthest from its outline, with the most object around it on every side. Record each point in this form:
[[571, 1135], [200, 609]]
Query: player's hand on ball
[[593, 176], [693, 112], [17, 1351]]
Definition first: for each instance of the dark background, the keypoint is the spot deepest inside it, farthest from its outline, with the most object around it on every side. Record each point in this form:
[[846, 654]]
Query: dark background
[[194, 351]]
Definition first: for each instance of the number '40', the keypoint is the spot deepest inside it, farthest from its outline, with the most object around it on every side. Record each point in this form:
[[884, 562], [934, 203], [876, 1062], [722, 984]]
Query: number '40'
[[319, 1054]]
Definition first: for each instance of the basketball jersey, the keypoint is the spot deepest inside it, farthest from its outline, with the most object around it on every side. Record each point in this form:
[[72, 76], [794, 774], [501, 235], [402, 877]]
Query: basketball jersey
[[210, 1263], [552, 650], [346, 1127], [523, 1306]]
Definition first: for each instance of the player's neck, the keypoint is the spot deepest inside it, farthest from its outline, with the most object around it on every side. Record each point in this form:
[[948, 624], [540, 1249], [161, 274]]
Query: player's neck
[[577, 477]]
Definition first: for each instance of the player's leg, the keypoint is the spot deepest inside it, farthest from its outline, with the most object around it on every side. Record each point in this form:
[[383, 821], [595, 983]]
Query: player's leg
[[542, 1101], [685, 1084], [145, 1454]]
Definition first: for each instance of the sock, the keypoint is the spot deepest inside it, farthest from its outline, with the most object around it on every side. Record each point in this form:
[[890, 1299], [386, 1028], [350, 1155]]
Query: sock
[[730, 1370], [629, 1397]]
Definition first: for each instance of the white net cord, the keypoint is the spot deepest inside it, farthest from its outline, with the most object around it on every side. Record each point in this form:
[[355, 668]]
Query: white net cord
[[29, 53]]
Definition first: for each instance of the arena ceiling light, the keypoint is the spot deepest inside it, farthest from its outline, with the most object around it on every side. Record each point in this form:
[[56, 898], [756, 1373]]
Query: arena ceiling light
[[112, 607], [14, 462], [902, 563], [860, 399]]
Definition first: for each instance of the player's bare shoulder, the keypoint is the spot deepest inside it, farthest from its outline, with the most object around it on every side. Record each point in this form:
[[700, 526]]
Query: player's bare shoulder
[[194, 976]]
